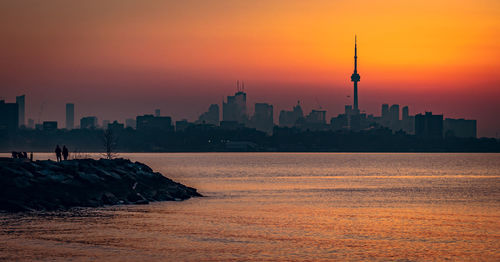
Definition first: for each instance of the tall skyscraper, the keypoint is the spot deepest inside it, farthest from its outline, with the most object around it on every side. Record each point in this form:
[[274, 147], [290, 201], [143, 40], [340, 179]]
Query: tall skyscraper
[[385, 118], [262, 119], [70, 116], [394, 117], [407, 121], [290, 118], [211, 116], [20, 101], [394, 113], [429, 125], [9, 116], [235, 109], [385, 110], [406, 113], [355, 77]]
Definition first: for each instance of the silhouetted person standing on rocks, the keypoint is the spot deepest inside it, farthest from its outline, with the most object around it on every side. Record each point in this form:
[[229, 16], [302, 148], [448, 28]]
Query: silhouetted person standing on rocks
[[65, 153], [58, 153]]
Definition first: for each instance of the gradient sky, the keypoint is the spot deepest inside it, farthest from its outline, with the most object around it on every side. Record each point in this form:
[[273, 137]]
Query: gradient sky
[[120, 58]]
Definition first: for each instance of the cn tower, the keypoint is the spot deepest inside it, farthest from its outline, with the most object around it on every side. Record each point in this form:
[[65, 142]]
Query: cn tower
[[355, 76]]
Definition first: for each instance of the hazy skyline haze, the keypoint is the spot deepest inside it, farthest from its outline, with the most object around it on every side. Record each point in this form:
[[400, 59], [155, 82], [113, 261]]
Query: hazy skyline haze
[[119, 59]]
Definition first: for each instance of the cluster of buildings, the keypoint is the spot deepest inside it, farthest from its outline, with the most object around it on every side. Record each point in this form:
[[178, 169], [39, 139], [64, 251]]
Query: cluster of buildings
[[235, 115], [423, 125]]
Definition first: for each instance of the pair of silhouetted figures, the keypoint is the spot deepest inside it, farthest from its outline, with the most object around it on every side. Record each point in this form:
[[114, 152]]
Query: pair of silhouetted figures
[[64, 153], [22, 155]]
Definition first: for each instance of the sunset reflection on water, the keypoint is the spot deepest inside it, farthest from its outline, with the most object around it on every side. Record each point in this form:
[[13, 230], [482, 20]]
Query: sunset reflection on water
[[273, 206]]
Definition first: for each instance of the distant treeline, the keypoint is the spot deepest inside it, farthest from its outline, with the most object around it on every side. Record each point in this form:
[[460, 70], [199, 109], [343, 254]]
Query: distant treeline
[[203, 138]]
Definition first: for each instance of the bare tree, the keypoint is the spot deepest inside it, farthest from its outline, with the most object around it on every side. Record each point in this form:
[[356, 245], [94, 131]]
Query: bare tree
[[110, 143]]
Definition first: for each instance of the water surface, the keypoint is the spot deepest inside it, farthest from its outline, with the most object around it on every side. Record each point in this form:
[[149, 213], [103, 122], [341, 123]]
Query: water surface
[[285, 206]]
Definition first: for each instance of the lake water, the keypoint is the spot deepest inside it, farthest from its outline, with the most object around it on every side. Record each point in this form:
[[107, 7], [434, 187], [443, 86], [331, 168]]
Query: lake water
[[285, 206]]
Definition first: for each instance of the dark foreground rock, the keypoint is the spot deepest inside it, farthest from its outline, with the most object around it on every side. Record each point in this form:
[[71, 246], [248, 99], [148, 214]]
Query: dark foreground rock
[[48, 185]]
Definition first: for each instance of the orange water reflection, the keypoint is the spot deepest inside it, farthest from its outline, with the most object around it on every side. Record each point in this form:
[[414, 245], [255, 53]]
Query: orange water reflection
[[335, 213]]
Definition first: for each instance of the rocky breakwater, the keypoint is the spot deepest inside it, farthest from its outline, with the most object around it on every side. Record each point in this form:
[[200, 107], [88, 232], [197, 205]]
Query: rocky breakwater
[[48, 185]]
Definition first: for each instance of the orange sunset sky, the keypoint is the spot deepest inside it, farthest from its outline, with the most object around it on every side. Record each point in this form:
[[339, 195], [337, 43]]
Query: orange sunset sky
[[118, 59]]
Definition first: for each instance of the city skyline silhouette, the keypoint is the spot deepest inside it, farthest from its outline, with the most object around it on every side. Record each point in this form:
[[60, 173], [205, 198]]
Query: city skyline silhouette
[[235, 109], [242, 130], [81, 53], [234, 128]]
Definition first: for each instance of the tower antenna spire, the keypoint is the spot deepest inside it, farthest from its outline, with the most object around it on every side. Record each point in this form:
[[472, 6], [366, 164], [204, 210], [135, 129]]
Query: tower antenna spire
[[355, 76]]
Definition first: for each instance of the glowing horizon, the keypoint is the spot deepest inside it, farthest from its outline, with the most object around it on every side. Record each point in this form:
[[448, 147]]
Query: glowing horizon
[[119, 58]]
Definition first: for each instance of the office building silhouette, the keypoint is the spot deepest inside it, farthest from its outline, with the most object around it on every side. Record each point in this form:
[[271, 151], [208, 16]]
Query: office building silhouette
[[394, 117], [316, 117], [385, 119], [429, 126], [262, 119], [49, 125], [154, 123], [182, 125], [130, 123], [21, 103], [407, 121], [210, 117], [235, 109], [315, 120], [290, 118], [462, 128], [405, 113], [115, 126], [70, 116], [340, 122], [89, 122], [31, 123], [9, 116]]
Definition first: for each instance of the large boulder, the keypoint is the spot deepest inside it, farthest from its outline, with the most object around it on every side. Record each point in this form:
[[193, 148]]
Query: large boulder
[[49, 185]]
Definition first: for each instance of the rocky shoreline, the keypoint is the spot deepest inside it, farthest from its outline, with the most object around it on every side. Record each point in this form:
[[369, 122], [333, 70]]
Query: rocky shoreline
[[49, 185]]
